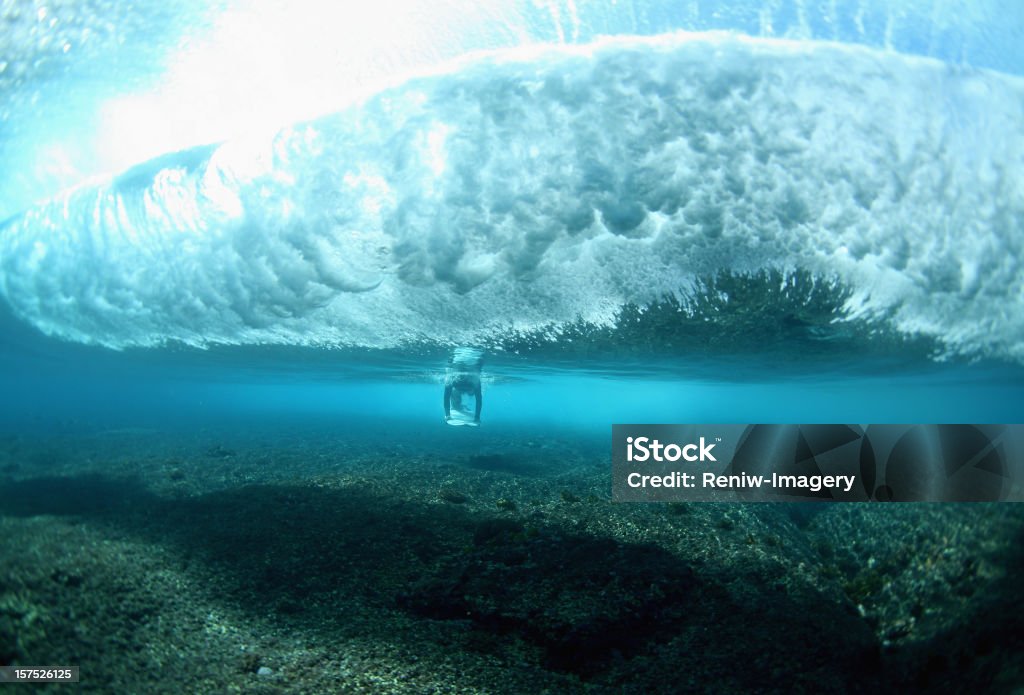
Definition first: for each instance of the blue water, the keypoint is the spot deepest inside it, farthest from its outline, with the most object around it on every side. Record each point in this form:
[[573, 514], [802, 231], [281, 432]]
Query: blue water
[[73, 389]]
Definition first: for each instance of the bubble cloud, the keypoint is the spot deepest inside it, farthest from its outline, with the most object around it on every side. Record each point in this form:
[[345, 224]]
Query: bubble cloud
[[527, 189]]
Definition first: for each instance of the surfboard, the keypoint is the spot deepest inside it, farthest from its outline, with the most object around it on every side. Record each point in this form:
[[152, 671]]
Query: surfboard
[[463, 416], [455, 421]]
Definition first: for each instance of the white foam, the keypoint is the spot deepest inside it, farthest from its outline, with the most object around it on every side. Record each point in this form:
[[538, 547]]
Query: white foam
[[526, 190]]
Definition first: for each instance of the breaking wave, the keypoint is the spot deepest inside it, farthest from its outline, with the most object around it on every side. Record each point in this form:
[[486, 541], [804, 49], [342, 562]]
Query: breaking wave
[[524, 192]]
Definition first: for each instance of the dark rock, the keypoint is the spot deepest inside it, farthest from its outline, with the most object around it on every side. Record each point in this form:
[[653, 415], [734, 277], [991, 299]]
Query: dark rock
[[454, 496]]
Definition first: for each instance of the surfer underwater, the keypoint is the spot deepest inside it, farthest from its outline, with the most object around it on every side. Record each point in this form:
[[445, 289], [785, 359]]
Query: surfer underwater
[[462, 382]]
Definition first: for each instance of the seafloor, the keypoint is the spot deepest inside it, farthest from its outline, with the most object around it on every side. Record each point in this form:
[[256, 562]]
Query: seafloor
[[277, 558]]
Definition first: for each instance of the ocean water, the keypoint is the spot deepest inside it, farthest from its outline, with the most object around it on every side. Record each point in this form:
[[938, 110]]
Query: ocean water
[[241, 241]]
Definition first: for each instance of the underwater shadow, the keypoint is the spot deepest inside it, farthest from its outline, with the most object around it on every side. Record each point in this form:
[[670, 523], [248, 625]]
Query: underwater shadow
[[982, 650], [628, 616]]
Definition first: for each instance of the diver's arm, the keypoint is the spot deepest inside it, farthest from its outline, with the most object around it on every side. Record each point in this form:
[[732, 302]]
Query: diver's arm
[[479, 402], [448, 401]]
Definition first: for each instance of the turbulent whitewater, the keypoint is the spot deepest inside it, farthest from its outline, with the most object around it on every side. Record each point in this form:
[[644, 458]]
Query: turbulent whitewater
[[522, 191]]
